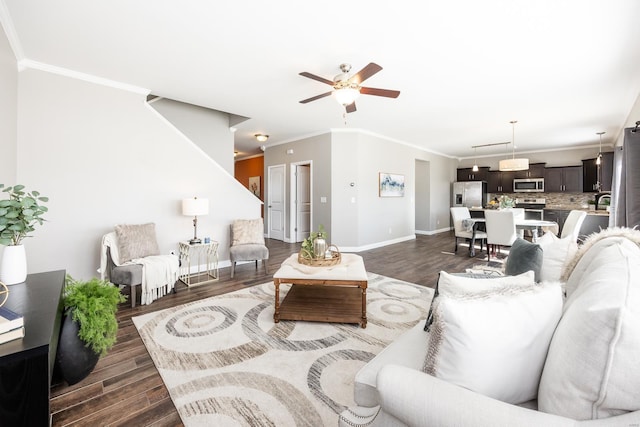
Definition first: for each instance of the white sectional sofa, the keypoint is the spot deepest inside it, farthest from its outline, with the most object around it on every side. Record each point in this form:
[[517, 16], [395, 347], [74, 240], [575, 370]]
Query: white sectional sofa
[[590, 375]]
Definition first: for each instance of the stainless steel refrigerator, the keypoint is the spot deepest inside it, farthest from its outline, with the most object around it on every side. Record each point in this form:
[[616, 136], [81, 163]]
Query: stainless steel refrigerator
[[472, 194]]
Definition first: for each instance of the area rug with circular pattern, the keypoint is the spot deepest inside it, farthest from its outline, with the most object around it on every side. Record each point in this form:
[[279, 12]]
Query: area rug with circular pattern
[[226, 363]]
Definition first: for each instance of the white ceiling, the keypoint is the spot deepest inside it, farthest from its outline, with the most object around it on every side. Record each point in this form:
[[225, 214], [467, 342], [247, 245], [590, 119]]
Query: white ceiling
[[565, 69]]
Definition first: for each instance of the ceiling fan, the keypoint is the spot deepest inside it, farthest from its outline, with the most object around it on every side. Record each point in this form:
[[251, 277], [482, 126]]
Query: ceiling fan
[[347, 87]]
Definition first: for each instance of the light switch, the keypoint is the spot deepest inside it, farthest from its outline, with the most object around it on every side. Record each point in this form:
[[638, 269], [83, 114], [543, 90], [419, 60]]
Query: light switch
[[323, 200], [353, 200]]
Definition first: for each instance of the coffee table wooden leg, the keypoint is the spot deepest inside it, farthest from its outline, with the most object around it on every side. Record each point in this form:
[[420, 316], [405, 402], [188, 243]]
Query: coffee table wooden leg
[[363, 323], [276, 313]]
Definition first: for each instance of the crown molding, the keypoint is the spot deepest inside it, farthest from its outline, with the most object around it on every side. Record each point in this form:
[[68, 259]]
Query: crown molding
[[35, 65]]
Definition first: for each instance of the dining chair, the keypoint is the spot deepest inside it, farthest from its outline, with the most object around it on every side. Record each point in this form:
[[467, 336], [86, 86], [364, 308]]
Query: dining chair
[[459, 214], [518, 213], [501, 229], [572, 225]]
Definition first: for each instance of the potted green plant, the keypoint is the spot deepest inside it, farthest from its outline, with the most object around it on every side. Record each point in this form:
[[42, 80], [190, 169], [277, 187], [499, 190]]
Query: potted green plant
[[89, 328], [18, 216], [315, 245]]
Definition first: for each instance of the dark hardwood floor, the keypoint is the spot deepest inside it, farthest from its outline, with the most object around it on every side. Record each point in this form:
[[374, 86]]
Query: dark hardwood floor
[[126, 389]]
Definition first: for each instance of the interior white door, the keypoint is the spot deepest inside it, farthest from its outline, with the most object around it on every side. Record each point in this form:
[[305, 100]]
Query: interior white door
[[276, 202], [303, 202]]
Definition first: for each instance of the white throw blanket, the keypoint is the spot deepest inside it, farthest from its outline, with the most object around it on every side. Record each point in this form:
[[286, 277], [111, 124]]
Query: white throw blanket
[[159, 272], [159, 275]]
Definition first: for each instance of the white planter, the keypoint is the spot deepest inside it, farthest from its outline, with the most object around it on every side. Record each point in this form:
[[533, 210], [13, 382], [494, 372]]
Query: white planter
[[13, 268]]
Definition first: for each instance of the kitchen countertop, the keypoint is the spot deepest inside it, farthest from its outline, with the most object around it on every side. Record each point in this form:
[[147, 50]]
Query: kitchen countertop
[[600, 212]]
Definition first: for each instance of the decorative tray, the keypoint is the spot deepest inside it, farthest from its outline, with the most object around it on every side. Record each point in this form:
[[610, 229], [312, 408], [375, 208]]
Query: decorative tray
[[322, 262]]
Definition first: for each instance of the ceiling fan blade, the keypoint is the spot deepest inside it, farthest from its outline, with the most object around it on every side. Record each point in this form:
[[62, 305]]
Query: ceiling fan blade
[[318, 78], [304, 101], [365, 73], [380, 92], [351, 107]]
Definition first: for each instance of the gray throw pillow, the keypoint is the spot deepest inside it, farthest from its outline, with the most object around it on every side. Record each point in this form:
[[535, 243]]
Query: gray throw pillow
[[136, 241], [524, 256]]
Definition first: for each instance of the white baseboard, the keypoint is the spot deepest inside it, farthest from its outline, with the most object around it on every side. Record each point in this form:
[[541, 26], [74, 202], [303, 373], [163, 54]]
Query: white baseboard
[[432, 232], [377, 244]]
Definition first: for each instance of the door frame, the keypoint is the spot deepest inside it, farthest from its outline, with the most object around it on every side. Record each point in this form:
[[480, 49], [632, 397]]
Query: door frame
[[293, 212], [284, 199]]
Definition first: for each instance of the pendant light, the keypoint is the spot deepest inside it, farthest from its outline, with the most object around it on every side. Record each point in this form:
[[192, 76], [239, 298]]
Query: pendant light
[[513, 164], [599, 158], [475, 160]]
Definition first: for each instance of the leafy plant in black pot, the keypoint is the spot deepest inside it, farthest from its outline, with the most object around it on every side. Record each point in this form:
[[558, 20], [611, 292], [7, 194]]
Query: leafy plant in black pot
[[89, 328]]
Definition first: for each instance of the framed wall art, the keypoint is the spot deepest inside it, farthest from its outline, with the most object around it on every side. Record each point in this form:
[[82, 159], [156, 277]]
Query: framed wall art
[[391, 185], [254, 185]]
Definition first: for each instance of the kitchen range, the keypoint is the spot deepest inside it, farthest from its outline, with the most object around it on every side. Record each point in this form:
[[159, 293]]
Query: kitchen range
[[533, 207]]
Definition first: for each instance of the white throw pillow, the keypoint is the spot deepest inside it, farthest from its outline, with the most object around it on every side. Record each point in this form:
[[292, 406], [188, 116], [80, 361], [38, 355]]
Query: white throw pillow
[[494, 341], [452, 283], [592, 368], [555, 254], [449, 284]]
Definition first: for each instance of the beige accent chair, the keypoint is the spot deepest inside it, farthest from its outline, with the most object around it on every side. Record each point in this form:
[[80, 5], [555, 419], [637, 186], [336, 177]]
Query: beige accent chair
[[572, 225], [247, 243], [501, 229], [459, 214]]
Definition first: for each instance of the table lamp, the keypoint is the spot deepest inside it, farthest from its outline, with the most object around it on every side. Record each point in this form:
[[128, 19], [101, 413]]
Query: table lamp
[[194, 207]]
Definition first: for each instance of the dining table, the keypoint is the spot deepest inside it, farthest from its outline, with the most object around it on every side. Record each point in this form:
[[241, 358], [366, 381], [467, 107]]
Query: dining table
[[532, 225]]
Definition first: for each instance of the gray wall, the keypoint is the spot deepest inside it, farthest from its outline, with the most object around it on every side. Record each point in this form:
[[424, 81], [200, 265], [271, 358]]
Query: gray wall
[[207, 128], [105, 157], [316, 149], [356, 217], [423, 193]]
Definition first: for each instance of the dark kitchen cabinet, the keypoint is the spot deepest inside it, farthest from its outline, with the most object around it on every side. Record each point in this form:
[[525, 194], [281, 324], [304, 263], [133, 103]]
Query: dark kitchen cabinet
[[590, 173], [500, 182], [467, 174], [536, 170], [567, 179], [556, 215]]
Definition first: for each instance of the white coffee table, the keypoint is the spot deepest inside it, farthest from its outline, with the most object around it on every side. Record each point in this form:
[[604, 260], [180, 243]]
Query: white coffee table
[[336, 293]]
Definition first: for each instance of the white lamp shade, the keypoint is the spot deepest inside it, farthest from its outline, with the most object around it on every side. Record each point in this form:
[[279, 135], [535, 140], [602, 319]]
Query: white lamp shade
[[195, 207], [514, 165]]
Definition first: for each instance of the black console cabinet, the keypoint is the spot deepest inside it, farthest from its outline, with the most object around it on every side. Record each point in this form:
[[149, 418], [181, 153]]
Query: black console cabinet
[[26, 365]]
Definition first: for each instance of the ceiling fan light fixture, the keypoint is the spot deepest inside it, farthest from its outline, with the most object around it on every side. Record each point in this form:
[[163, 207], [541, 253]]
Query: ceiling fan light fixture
[[261, 137], [346, 95]]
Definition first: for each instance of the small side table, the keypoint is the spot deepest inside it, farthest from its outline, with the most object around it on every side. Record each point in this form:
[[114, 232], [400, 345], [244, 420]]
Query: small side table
[[196, 254]]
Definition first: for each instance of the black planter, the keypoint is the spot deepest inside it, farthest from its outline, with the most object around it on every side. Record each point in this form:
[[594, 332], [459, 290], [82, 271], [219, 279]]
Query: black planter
[[75, 360]]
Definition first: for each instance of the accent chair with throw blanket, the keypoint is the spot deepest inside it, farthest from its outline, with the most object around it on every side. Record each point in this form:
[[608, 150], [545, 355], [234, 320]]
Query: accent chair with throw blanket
[[511, 352], [130, 257]]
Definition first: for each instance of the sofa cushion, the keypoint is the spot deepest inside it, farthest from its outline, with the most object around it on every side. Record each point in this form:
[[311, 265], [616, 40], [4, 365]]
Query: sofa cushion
[[451, 283], [555, 254], [247, 232], [524, 256], [591, 370], [494, 341], [136, 241]]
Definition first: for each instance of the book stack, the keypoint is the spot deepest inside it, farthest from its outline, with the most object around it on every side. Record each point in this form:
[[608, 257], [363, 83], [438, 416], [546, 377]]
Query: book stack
[[11, 325]]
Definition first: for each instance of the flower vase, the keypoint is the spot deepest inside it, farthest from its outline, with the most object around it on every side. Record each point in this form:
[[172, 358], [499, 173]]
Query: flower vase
[[13, 268]]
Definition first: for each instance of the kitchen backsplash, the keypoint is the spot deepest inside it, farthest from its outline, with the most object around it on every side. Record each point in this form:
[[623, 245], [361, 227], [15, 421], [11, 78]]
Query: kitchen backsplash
[[554, 200]]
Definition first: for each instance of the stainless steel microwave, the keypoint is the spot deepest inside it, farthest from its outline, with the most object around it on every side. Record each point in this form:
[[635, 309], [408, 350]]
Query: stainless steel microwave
[[528, 185]]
